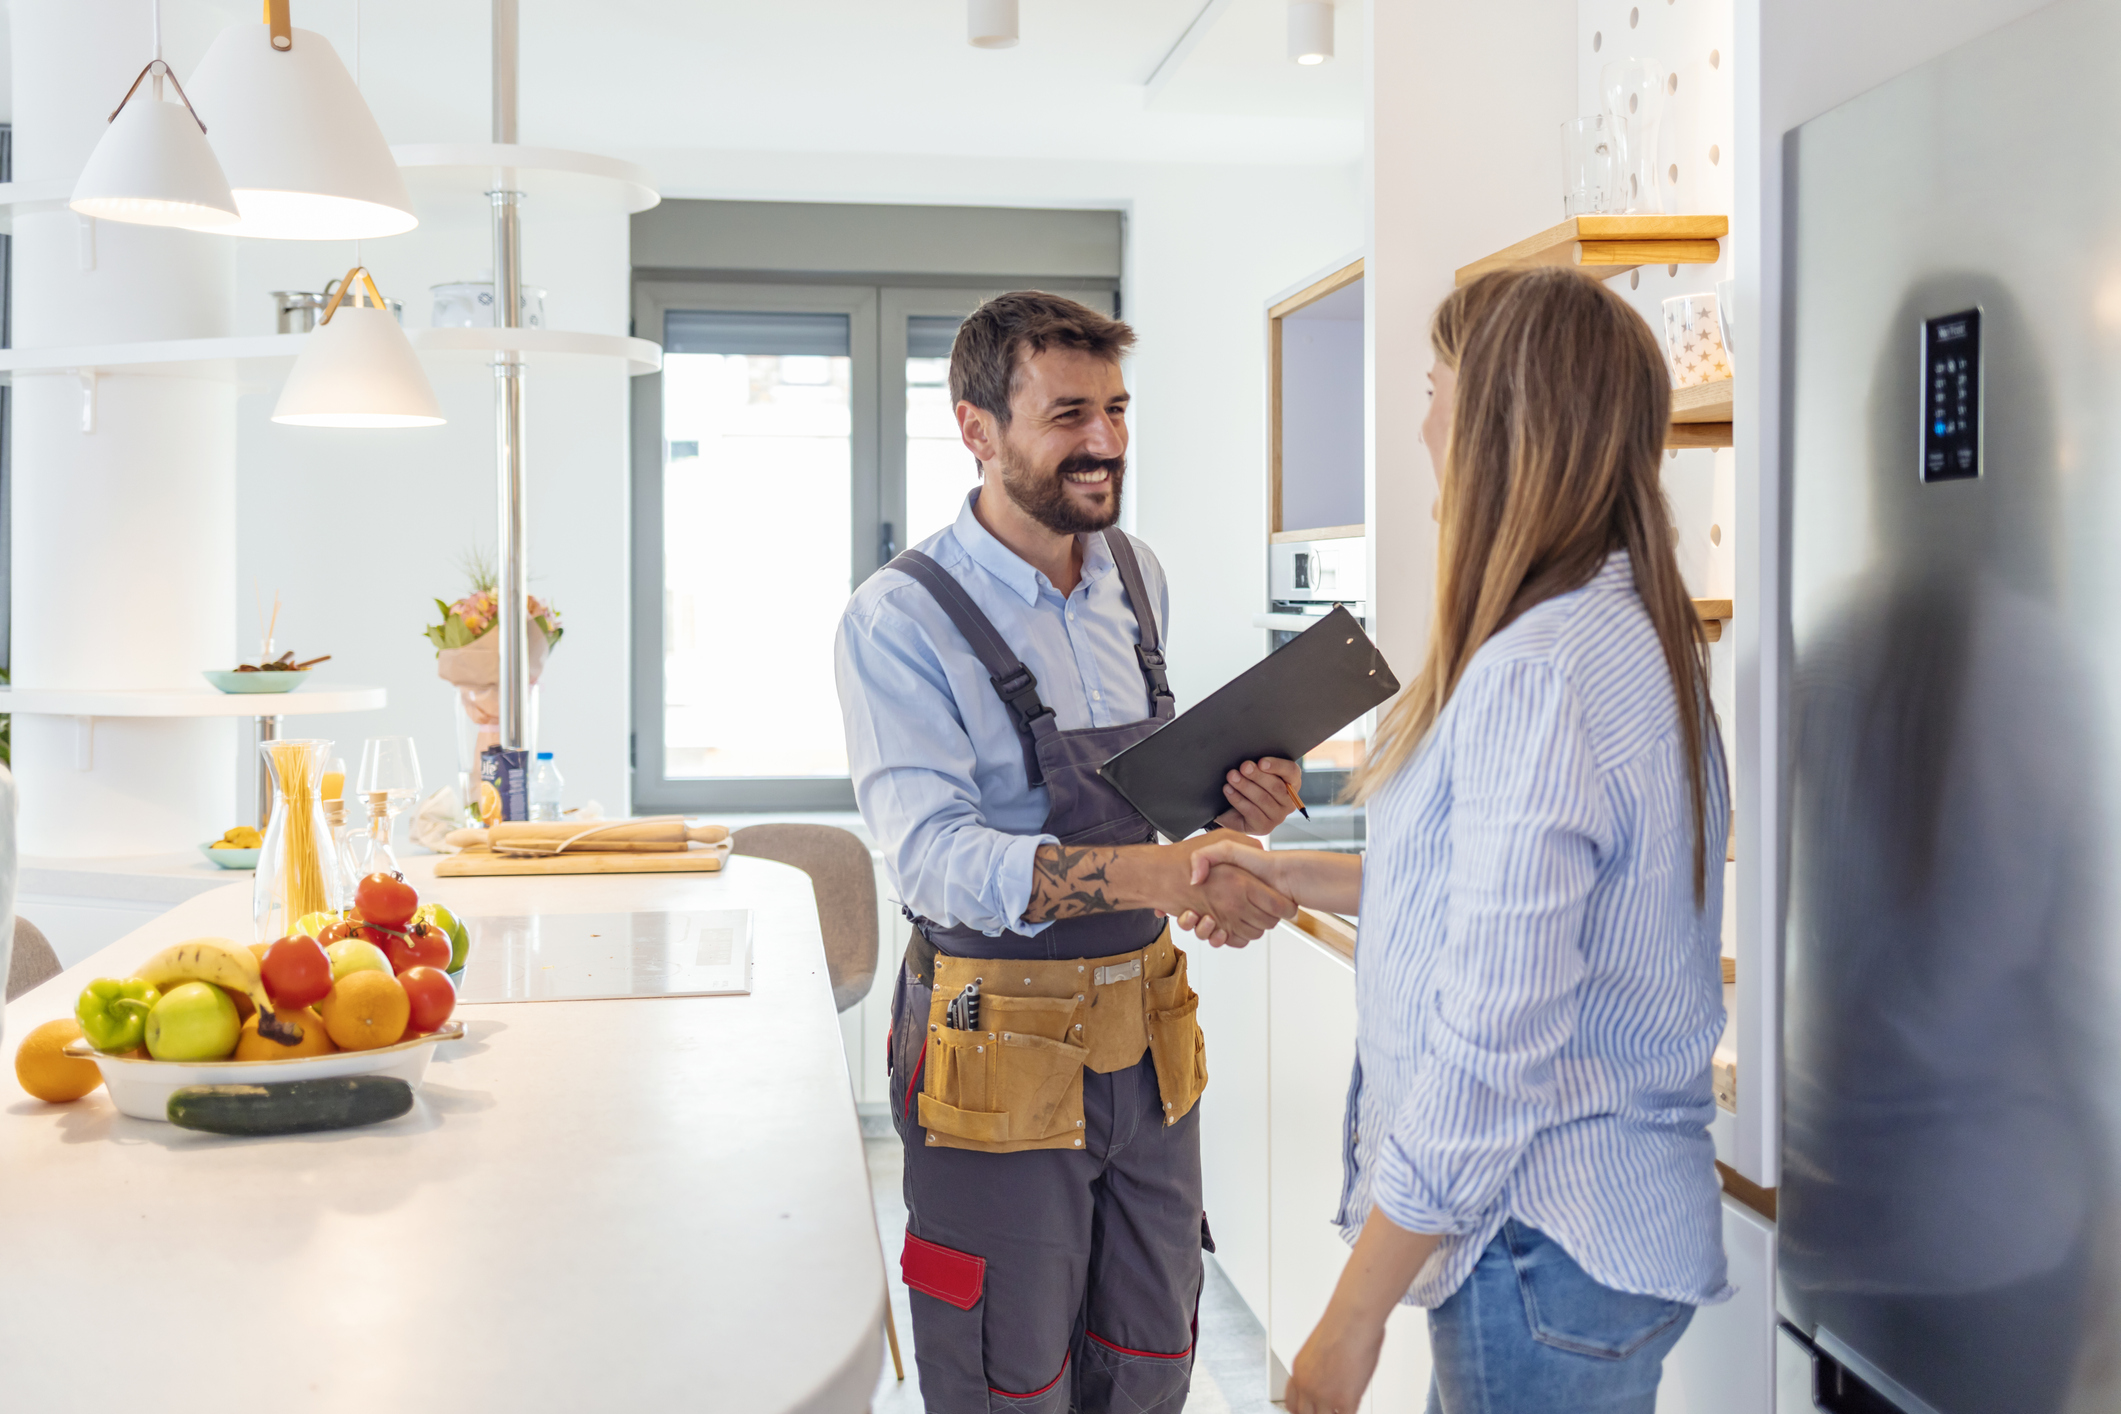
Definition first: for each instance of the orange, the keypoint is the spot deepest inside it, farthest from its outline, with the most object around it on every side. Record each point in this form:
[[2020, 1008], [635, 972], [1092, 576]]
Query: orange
[[365, 1010], [257, 950], [47, 1073], [316, 1040]]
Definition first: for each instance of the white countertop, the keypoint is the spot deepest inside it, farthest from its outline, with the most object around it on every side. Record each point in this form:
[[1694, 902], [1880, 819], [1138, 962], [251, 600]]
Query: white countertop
[[650, 1204]]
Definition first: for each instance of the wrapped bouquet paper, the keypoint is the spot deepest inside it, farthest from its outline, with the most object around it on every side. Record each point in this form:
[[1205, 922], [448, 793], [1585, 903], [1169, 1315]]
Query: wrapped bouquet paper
[[468, 644]]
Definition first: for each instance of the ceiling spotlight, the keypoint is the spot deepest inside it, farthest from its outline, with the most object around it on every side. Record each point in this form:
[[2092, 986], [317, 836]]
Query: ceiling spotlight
[[1310, 31], [990, 24]]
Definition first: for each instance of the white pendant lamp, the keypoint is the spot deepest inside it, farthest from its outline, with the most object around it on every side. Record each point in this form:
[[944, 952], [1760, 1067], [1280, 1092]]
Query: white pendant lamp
[[152, 166], [1310, 31], [990, 24], [358, 369], [302, 152]]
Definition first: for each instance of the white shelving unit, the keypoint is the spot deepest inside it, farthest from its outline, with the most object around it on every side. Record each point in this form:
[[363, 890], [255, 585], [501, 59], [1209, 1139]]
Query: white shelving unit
[[86, 705], [475, 168], [127, 702], [245, 357], [24, 198]]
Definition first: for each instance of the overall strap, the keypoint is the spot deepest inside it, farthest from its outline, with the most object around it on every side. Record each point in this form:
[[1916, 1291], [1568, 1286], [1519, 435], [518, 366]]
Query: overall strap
[[1150, 651], [1014, 683]]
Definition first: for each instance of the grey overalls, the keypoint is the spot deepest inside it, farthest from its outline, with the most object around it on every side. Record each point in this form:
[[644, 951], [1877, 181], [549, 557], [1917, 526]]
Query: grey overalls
[[1052, 1279]]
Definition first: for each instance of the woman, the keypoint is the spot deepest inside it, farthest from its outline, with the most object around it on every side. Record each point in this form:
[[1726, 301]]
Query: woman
[[1538, 985]]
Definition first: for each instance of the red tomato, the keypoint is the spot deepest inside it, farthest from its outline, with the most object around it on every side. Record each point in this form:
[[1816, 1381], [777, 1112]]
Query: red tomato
[[333, 932], [424, 946], [430, 947], [386, 899], [431, 995], [297, 972]]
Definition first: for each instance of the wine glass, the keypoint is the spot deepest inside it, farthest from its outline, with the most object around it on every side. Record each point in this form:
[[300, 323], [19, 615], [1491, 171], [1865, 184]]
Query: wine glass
[[389, 782]]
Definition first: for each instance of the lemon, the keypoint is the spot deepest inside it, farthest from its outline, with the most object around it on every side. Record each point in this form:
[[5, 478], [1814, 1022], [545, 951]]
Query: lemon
[[311, 924]]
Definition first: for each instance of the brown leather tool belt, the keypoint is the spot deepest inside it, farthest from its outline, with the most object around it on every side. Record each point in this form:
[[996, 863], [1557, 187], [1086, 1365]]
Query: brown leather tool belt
[[1015, 1081]]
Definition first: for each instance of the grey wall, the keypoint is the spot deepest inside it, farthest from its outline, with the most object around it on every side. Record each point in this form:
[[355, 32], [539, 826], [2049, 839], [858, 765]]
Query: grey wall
[[875, 241]]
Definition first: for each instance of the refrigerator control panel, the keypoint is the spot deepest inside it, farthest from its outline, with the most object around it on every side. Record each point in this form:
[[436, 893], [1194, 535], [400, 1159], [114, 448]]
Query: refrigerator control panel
[[1951, 397]]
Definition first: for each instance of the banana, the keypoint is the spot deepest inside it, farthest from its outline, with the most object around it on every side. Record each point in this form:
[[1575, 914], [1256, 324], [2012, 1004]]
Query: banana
[[221, 962]]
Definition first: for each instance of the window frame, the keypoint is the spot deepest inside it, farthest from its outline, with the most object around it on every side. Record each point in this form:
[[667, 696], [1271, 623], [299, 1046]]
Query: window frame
[[877, 311], [652, 299]]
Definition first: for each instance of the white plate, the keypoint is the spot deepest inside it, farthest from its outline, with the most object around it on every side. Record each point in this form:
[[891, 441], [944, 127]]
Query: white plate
[[141, 1088]]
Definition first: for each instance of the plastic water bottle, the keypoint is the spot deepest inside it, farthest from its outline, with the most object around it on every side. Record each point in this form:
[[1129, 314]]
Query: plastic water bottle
[[545, 787]]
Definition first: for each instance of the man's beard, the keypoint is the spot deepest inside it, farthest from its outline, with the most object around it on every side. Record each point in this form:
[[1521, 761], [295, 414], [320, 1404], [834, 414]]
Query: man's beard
[[1044, 497]]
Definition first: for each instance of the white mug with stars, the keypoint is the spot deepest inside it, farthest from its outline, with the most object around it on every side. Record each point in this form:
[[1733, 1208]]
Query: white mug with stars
[[1693, 339]]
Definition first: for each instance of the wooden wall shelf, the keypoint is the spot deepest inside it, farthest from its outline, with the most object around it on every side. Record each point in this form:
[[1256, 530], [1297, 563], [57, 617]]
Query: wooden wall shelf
[[1713, 613], [1613, 245], [1701, 416]]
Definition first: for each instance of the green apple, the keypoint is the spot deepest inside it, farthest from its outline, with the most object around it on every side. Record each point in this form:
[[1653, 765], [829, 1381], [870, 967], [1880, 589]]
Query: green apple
[[356, 955], [194, 1021]]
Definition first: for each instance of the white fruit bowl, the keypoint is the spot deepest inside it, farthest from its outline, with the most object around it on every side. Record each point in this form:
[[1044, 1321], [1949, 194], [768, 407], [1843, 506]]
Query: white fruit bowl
[[141, 1088]]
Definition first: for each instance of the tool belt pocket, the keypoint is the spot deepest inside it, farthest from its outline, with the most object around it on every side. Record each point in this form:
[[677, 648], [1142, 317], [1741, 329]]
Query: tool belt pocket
[[1180, 1051], [1016, 1083]]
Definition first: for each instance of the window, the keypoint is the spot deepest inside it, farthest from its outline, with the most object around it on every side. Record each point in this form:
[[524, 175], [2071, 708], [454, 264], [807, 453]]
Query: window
[[798, 437]]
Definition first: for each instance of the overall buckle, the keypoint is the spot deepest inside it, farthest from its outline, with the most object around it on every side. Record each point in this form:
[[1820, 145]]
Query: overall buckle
[[1020, 690], [1152, 661]]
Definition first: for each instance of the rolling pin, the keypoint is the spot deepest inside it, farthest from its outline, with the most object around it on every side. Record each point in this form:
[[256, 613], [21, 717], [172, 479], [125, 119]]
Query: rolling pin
[[658, 835]]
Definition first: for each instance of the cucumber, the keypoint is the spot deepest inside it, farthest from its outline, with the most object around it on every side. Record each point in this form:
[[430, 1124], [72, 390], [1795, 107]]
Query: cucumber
[[290, 1106]]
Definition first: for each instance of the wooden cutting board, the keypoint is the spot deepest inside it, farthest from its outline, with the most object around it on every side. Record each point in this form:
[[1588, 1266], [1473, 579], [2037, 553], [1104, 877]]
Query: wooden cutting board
[[473, 863]]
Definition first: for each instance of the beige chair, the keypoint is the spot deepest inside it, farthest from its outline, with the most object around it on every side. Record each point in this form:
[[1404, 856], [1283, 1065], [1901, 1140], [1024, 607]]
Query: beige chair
[[34, 961], [844, 879]]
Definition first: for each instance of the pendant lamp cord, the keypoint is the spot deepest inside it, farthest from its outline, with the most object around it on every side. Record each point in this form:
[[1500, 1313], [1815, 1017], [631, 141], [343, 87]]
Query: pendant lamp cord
[[357, 89]]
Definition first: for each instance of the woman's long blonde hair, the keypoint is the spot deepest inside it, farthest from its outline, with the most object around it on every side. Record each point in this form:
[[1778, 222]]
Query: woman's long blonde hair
[[1557, 435]]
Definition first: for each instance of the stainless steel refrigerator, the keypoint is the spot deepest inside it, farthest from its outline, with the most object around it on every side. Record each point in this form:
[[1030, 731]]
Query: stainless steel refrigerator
[[1952, 1034]]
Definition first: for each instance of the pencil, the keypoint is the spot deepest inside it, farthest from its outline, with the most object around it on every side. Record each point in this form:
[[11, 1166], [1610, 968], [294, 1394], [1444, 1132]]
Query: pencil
[[1299, 803]]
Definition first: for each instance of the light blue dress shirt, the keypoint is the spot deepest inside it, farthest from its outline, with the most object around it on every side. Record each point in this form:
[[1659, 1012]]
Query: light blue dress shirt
[[936, 759], [1538, 995]]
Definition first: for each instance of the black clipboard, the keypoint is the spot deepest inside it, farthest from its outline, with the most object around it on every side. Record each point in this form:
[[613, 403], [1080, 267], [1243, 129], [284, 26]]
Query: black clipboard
[[1283, 705]]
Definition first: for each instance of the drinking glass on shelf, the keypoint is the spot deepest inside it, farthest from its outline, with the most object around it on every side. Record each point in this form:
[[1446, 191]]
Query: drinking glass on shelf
[[1587, 166], [1693, 338], [1633, 90], [389, 782]]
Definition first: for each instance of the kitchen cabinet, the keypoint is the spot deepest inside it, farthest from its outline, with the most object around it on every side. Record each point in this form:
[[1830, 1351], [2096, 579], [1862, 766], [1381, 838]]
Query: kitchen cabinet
[[1725, 1363], [1233, 988], [1271, 1155]]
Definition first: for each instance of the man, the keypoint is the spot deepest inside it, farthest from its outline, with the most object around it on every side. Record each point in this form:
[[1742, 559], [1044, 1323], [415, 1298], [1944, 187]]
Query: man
[[1044, 1055]]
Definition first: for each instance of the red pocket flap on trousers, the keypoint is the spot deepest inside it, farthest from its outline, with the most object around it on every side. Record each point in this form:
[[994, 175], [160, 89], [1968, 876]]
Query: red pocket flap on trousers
[[955, 1277]]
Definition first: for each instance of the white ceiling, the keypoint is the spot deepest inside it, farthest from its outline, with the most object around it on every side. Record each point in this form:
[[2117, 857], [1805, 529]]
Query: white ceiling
[[642, 77]]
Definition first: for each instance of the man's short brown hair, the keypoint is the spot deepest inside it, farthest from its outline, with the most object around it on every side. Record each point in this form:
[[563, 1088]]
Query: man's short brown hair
[[996, 338]]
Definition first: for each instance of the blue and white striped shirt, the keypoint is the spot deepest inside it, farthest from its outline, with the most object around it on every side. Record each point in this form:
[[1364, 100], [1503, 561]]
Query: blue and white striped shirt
[[1538, 995]]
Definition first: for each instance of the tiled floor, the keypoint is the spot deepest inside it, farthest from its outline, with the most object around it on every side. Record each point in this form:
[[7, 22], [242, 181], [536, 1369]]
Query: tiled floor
[[1229, 1375]]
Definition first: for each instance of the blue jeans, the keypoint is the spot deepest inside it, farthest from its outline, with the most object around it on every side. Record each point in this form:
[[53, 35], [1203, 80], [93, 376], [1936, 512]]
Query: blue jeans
[[1530, 1333]]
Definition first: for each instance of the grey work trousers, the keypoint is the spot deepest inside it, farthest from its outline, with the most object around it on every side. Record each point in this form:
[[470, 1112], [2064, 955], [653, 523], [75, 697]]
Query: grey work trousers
[[1052, 1280]]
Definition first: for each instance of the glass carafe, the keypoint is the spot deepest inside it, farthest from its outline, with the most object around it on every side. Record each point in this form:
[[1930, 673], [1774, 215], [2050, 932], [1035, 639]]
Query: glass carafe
[[299, 869]]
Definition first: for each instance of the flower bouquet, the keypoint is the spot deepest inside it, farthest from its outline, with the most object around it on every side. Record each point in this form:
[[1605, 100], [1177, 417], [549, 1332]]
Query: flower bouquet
[[468, 648]]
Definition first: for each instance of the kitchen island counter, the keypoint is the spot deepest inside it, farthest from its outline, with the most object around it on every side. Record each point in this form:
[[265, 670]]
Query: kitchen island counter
[[648, 1204]]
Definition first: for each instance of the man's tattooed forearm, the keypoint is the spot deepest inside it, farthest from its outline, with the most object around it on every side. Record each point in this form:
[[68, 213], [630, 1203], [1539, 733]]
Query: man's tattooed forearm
[[1068, 883]]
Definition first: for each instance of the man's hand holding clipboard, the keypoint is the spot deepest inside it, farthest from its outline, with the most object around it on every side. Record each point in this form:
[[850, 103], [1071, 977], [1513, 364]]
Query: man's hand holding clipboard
[[1284, 705]]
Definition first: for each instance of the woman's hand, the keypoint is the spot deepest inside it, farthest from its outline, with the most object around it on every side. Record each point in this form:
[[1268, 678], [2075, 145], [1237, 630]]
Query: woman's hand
[[1335, 1365], [1262, 794], [1336, 1362], [1233, 852]]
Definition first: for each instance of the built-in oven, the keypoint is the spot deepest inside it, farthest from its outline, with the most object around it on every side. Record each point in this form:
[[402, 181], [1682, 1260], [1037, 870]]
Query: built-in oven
[[1305, 580]]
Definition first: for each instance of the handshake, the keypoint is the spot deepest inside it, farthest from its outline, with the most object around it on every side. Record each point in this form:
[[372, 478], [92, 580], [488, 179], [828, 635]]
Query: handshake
[[1222, 887]]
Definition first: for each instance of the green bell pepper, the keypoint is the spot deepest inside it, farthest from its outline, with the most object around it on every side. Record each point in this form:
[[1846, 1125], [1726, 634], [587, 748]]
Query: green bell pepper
[[113, 1012]]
